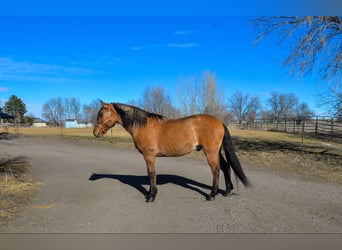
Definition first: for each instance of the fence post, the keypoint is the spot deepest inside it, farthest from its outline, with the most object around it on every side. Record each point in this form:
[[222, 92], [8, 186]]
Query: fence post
[[266, 125], [277, 124], [332, 129], [293, 125], [316, 126], [303, 129]]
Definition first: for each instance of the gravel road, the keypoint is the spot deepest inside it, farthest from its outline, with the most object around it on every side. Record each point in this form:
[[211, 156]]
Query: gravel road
[[90, 187]]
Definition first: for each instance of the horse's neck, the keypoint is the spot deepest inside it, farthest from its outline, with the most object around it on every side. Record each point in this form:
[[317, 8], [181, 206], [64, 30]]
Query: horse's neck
[[131, 130]]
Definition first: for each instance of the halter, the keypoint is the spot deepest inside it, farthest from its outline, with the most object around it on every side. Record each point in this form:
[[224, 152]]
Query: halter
[[108, 119]]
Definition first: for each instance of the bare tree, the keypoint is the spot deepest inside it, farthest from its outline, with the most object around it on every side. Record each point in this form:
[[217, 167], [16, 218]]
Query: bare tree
[[188, 97], [203, 96], [212, 100], [157, 101], [317, 46], [72, 108], [316, 39], [282, 105], [332, 101], [67, 108], [90, 111], [75, 107], [303, 110], [244, 107], [53, 110]]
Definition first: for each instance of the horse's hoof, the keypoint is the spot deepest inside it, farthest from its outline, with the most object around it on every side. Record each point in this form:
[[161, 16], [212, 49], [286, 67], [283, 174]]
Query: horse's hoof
[[227, 193], [150, 198], [210, 197]]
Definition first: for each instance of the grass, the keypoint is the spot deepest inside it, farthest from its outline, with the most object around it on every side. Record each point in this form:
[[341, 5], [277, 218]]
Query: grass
[[17, 186], [286, 153]]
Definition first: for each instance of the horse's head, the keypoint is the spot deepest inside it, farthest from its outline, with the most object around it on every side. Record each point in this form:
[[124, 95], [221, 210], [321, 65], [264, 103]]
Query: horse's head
[[107, 117]]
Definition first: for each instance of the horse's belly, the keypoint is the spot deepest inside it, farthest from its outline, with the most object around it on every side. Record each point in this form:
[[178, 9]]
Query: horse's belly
[[178, 149]]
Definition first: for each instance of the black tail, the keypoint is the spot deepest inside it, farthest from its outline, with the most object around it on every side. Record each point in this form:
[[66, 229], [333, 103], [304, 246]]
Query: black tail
[[232, 158]]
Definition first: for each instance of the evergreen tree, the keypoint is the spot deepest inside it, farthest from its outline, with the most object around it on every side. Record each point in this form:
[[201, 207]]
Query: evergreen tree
[[15, 107]]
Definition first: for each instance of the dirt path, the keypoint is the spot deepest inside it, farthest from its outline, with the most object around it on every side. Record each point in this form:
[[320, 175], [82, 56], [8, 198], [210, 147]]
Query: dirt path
[[93, 188]]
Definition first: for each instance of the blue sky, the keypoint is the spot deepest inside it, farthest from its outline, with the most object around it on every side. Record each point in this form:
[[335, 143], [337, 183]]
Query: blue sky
[[115, 58]]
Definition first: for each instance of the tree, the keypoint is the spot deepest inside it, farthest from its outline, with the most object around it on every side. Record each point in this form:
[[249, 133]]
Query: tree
[[72, 108], [90, 111], [15, 107], [188, 97], [303, 110], [155, 100], [316, 39], [317, 46], [211, 99], [282, 105], [244, 107], [29, 119], [53, 110], [332, 101], [196, 96]]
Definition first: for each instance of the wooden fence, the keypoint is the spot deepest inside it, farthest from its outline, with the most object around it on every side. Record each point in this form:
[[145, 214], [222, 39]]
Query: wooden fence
[[319, 126]]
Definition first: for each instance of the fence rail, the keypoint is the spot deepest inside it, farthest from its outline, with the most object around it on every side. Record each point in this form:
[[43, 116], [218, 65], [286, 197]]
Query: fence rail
[[319, 126]]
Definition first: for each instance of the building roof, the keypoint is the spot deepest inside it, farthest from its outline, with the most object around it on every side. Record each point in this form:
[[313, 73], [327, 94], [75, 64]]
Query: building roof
[[38, 120], [4, 115]]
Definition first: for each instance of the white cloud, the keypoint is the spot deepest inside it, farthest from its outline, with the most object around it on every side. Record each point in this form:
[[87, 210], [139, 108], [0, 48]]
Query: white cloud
[[147, 46], [136, 48], [23, 70], [184, 32], [169, 45], [182, 45], [3, 89]]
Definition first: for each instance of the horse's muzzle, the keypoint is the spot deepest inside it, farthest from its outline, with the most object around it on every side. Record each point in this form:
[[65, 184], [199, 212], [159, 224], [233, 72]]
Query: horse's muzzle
[[97, 133]]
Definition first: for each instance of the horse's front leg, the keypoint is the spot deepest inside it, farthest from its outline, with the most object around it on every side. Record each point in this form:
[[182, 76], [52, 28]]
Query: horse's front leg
[[150, 161]]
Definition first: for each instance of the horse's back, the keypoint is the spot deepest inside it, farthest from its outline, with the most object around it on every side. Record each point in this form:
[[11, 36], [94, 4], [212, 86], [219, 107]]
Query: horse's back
[[199, 121], [201, 128]]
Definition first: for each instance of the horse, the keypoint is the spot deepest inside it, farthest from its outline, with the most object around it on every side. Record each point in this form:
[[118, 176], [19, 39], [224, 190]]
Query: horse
[[155, 135]]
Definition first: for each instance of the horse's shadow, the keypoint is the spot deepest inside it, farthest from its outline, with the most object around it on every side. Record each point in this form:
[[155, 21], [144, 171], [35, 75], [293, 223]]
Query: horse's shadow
[[138, 182]]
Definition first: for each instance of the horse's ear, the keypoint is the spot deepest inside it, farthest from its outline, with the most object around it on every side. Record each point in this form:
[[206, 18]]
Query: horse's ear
[[102, 102]]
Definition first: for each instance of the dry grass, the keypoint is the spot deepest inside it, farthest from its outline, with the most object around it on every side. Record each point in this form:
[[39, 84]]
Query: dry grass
[[16, 186], [286, 153]]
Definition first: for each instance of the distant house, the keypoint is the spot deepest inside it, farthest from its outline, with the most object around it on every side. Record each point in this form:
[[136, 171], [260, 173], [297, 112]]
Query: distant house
[[75, 123], [5, 117], [39, 123]]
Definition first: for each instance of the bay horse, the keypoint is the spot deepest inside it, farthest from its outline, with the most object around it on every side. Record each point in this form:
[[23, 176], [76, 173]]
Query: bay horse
[[157, 136]]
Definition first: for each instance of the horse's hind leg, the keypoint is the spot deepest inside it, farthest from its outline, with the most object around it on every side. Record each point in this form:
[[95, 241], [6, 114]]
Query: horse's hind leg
[[224, 165], [213, 163]]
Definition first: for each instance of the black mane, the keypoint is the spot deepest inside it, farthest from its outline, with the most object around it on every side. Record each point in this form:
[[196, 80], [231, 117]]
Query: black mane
[[133, 116]]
